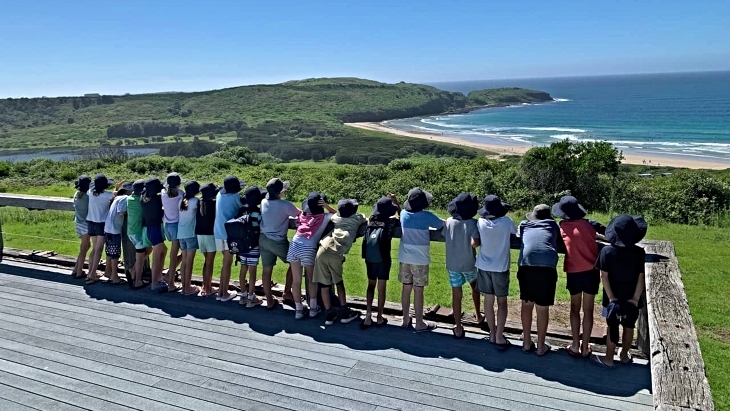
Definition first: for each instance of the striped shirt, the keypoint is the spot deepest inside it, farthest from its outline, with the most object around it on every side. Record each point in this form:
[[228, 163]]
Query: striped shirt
[[415, 243]]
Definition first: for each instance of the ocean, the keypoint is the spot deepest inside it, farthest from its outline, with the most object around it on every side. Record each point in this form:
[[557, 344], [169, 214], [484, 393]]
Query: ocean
[[682, 114]]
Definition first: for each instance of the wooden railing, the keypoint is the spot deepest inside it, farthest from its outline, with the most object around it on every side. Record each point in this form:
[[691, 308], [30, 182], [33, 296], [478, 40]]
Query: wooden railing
[[666, 333]]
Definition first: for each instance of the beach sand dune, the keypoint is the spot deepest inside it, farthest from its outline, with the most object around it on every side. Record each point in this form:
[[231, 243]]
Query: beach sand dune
[[519, 149]]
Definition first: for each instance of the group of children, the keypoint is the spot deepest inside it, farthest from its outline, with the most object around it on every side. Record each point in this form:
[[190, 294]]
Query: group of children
[[254, 225]]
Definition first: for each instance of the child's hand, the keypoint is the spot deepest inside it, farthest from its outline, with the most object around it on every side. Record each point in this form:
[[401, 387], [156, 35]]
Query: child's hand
[[118, 185], [393, 198], [634, 302], [322, 203]]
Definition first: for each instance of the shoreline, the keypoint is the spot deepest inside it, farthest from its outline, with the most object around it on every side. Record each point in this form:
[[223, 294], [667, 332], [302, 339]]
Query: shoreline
[[653, 160]]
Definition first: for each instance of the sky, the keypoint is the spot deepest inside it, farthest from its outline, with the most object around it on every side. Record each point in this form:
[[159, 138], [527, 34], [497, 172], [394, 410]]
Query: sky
[[52, 48]]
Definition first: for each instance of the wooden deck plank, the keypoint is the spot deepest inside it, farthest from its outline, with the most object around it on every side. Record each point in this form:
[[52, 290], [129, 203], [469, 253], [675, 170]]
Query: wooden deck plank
[[21, 399], [7, 405]]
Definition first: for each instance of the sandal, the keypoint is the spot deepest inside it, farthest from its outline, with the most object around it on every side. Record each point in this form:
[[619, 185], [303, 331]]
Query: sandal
[[459, 336], [273, 305], [139, 287], [530, 349], [194, 290], [364, 326], [502, 347], [430, 326], [629, 359], [408, 324], [548, 347], [120, 282], [94, 280], [384, 323], [597, 360], [569, 350]]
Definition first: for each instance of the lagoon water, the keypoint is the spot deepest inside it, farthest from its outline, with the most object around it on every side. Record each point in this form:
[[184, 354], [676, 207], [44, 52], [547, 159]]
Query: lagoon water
[[685, 114]]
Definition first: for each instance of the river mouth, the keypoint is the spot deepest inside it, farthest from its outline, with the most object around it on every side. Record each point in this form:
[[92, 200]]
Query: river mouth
[[65, 154]]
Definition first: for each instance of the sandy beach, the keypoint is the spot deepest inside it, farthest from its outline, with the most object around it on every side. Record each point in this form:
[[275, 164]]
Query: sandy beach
[[519, 149]]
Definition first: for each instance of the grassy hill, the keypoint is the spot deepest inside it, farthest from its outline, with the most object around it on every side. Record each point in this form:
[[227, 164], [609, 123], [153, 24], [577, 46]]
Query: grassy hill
[[505, 96]]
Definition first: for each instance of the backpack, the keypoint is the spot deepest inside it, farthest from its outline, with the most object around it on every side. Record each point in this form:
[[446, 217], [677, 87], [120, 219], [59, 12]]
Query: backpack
[[372, 246], [242, 234]]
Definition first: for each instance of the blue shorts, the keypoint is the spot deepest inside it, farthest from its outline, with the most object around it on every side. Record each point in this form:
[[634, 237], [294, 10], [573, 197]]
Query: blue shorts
[[458, 279], [154, 235], [250, 258], [206, 243], [301, 253], [188, 244], [171, 231], [113, 245]]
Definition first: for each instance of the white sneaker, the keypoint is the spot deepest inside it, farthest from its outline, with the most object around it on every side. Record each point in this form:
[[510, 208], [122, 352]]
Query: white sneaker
[[314, 312]]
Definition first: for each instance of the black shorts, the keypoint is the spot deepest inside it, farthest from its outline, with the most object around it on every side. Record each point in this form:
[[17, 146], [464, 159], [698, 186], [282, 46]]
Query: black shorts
[[584, 282], [113, 246], [537, 284], [95, 229], [378, 271]]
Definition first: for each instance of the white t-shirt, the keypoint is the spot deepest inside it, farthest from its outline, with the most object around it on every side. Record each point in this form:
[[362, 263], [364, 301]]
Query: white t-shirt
[[115, 219], [494, 253], [99, 206]]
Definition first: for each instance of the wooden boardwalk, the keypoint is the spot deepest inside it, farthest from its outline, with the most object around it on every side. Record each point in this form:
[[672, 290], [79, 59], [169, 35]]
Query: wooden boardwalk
[[66, 346]]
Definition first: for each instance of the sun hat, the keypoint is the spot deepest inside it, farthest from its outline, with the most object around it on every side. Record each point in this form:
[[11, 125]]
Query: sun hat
[[208, 191], [384, 209], [253, 195], [83, 183], [493, 207], [126, 189], [101, 183], [275, 186], [232, 185], [311, 204], [464, 206], [138, 187], [568, 208], [192, 188], [540, 212], [347, 207], [625, 230], [173, 180], [417, 200], [152, 186]]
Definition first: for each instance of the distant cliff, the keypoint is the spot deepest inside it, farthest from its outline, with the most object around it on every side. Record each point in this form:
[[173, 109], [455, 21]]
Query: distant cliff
[[506, 96]]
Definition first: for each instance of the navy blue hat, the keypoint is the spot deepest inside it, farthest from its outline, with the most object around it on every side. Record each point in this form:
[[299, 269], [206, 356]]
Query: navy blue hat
[[625, 230], [173, 180], [192, 188], [311, 204], [384, 209], [138, 187], [126, 189], [418, 199], [464, 206], [253, 195], [493, 207], [232, 185], [209, 191], [83, 183], [568, 208], [152, 186], [101, 183], [347, 207]]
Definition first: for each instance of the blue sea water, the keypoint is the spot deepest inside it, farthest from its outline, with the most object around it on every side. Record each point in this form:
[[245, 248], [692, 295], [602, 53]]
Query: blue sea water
[[682, 114]]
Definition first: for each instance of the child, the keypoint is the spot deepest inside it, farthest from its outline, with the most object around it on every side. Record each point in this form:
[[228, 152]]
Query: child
[[376, 253], [204, 223], [537, 273], [186, 236], [113, 232], [227, 204], [136, 232], [99, 202], [331, 256], [252, 198], [414, 254], [81, 209], [583, 279], [622, 275], [152, 221], [459, 229], [495, 229], [303, 249], [171, 199], [273, 244]]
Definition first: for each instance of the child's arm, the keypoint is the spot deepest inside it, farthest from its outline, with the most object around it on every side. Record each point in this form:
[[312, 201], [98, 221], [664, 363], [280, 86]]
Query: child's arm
[[394, 200], [327, 207], [476, 242], [607, 286], [638, 291]]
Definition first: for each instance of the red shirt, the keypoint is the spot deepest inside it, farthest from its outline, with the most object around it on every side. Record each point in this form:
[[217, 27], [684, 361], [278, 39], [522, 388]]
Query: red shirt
[[580, 245]]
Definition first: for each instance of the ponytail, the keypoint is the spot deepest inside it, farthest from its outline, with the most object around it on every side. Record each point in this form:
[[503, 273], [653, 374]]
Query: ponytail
[[172, 192], [184, 204]]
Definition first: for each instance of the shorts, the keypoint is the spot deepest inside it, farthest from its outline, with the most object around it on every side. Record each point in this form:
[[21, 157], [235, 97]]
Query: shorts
[[171, 231], [206, 243], [415, 274], [458, 279], [493, 283], [584, 282], [250, 258], [328, 267], [188, 244], [627, 321], [140, 241], [113, 245], [221, 245], [537, 284], [271, 249], [154, 235], [95, 229], [301, 253], [378, 271], [82, 228]]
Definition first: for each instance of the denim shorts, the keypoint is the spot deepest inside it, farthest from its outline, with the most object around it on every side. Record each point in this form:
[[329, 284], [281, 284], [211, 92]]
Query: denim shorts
[[171, 231], [188, 244], [113, 245], [458, 279], [206, 243], [82, 228], [154, 235], [95, 229]]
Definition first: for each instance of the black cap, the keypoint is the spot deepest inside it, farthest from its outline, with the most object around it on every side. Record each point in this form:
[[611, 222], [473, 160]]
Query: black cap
[[152, 186], [347, 207], [126, 189], [418, 199]]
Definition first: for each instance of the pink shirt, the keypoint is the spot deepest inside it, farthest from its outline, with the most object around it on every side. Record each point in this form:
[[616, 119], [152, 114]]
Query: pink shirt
[[580, 245]]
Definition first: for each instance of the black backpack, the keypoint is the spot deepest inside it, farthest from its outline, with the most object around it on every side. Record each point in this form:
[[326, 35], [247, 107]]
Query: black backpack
[[371, 246], [242, 233]]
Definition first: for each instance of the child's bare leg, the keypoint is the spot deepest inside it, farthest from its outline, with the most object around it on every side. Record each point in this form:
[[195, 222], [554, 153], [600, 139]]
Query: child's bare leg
[[502, 309], [543, 318], [341, 294], [369, 296], [158, 260], [626, 340], [418, 307], [406, 304], [381, 299], [83, 252], [225, 274], [208, 274], [575, 305], [287, 284], [242, 277], [113, 271], [456, 296], [252, 282], [610, 349], [138, 267], [588, 302], [326, 299], [309, 273], [526, 317], [296, 284], [489, 317], [266, 278], [174, 247], [97, 244], [476, 297]]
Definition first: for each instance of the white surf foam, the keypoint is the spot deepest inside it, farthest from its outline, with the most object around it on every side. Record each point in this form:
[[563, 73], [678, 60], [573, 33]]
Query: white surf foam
[[561, 100]]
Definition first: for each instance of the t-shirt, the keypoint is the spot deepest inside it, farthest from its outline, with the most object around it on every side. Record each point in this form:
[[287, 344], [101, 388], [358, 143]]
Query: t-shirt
[[99, 206], [81, 207], [226, 208], [152, 211], [495, 239], [415, 242], [186, 220], [171, 206], [275, 218], [581, 250], [204, 222], [134, 215], [115, 220], [624, 265], [460, 255], [539, 243], [341, 238], [311, 242]]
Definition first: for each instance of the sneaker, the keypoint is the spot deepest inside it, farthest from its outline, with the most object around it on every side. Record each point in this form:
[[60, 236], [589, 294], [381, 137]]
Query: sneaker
[[244, 295], [243, 301], [331, 317], [349, 315], [314, 312], [253, 302], [299, 314]]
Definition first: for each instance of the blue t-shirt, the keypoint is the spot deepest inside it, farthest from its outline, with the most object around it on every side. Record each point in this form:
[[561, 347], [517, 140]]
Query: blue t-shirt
[[186, 223], [539, 243], [415, 243], [226, 207]]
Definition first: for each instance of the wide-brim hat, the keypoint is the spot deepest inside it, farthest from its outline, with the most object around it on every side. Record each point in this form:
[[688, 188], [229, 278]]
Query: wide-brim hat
[[418, 199], [568, 208], [347, 207], [152, 185], [493, 207], [464, 206], [626, 230], [173, 180], [208, 191], [126, 189], [275, 186], [253, 196], [192, 188], [311, 204], [232, 185], [101, 182], [540, 212], [83, 183], [384, 209], [138, 187]]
